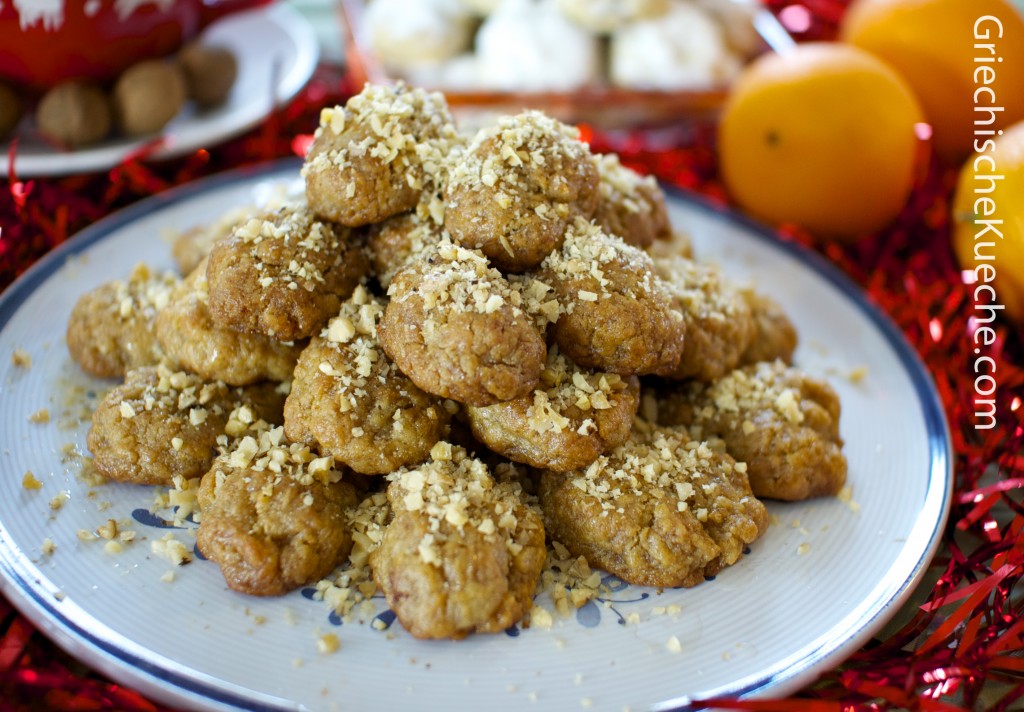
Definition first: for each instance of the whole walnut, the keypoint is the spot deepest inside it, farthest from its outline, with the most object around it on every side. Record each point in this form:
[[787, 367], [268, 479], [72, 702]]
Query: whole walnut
[[209, 73], [74, 114], [147, 96], [11, 108]]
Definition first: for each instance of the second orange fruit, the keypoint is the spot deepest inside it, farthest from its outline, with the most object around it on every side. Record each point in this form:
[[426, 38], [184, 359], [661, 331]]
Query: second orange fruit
[[938, 46], [822, 136]]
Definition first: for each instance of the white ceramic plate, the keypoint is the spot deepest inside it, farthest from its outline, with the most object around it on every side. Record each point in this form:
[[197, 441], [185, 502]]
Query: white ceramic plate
[[825, 576], [276, 51]]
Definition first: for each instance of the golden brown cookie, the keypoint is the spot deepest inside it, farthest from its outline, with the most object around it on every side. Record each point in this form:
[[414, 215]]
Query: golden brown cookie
[[660, 510], [111, 329], [372, 158], [719, 325], [192, 246], [392, 243], [274, 515], [284, 274], [350, 401], [459, 330], [782, 422], [160, 424], [189, 336], [774, 337], [574, 416], [462, 553], [677, 243], [631, 206], [517, 187], [617, 314]]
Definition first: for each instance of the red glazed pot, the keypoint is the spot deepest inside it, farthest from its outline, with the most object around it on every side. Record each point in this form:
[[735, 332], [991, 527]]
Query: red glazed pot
[[45, 42]]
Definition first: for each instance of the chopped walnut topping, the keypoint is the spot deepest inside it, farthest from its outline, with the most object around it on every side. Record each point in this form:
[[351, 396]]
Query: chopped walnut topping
[[59, 499], [462, 280], [107, 530], [569, 580], [408, 127], [751, 389], [456, 492], [268, 449], [537, 299], [619, 185], [21, 358], [584, 252], [328, 643], [697, 289], [563, 385], [520, 141], [171, 549], [145, 293], [665, 464]]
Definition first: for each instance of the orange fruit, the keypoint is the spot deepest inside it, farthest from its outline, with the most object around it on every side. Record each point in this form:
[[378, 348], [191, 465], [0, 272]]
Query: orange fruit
[[931, 43], [822, 136], [993, 251]]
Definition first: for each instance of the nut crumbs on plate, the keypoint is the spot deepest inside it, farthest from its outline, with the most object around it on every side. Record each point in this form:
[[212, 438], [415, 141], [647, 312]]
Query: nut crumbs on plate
[[40, 416]]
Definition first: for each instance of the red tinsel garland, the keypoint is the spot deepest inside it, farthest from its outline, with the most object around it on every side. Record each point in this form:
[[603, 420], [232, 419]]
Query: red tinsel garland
[[960, 649]]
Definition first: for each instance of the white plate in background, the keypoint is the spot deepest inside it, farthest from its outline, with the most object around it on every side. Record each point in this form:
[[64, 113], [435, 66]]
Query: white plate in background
[[276, 50]]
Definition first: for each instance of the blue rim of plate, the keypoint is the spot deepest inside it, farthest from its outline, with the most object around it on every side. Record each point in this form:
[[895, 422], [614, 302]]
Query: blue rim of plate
[[37, 604]]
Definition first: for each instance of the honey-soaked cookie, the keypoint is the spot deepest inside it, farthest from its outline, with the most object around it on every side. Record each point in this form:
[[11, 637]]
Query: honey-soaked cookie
[[274, 515], [775, 337], [161, 423], [283, 274], [374, 157], [462, 553], [189, 336], [677, 243], [659, 510], [782, 422], [192, 246], [574, 416], [719, 324], [350, 401], [110, 331], [517, 187], [459, 330], [631, 206], [617, 314], [393, 243]]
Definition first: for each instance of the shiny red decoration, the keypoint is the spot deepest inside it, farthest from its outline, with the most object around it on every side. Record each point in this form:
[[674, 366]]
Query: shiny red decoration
[[956, 648]]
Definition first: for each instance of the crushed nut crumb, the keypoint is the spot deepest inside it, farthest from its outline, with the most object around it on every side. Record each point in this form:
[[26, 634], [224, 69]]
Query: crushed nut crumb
[[328, 643], [40, 416]]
